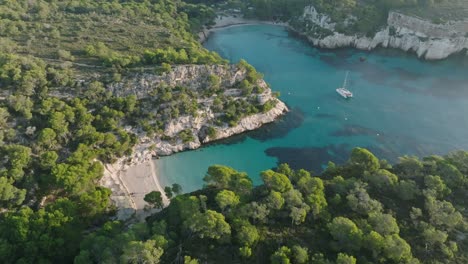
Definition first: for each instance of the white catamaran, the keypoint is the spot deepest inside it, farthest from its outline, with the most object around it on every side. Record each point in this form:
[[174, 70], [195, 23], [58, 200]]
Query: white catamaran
[[343, 91]]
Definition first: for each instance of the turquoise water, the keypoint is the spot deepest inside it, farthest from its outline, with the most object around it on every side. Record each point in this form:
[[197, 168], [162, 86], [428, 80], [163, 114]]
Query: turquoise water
[[401, 105]]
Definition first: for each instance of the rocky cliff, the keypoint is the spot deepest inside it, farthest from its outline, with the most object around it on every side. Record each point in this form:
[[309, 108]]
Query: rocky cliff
[[199, 127], [199, 124], [195, 77], [428, 40]]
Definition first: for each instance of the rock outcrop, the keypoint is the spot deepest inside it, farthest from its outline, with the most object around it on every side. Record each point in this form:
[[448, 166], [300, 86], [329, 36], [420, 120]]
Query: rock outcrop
[[195, 77], [428, 40], [190, 76], [154, 146]]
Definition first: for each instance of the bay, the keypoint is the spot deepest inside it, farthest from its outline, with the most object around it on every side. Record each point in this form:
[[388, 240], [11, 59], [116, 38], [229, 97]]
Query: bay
[[401, 106]]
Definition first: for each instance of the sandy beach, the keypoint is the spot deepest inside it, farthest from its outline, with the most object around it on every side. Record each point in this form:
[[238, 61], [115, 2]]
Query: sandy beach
[[232, 21], [129, 185], [131, 181], [140, 180]]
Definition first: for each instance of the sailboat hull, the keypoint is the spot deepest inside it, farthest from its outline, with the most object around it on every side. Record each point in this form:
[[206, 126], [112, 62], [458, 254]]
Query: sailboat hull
[[345, 93]]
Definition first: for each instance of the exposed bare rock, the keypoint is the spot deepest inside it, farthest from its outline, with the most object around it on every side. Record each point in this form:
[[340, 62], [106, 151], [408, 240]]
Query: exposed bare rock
[[249, 123], [196, 77], [190, 76], [122, 177], [428, 40]]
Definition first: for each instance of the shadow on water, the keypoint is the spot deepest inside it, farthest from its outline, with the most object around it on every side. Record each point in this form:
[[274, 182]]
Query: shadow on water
[[281, 127], [310, 158], [325, 116], [390, 146], [277, 129], [440, 88], [405, 75], [373, 73], [271, 36], [355, 130], [316, 158], [386, 69], [444, 87]]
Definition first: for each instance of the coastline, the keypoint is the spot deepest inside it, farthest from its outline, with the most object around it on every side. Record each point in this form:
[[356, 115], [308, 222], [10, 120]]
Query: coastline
[[414, 35], [428, 40], [133, 176], [222, 22], [128, 193]]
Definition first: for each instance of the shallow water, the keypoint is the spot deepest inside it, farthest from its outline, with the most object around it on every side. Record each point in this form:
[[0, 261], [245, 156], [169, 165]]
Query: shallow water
[[401, 106]]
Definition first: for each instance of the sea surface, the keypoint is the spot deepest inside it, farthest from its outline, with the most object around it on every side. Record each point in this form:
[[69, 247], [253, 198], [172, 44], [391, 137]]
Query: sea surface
[[401, 106]]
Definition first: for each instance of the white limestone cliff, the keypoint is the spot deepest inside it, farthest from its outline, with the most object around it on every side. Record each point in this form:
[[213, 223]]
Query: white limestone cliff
[[194, 77], [117, 176], [428, 40]]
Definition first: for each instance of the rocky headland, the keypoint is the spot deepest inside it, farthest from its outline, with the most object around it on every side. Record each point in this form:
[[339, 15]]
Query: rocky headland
[[190, 131], [187, 131], [195, 77], [412, 34], [426, 39]]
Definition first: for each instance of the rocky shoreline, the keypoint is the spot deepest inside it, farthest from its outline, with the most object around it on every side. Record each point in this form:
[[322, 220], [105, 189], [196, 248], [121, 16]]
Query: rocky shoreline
[[143, 154], [121, 177], [411, 34], [427, 40]]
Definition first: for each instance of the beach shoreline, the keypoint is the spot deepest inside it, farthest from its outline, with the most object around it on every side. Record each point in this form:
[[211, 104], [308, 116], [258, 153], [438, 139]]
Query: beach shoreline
[[127, 192], [223, 22], [131, 177]]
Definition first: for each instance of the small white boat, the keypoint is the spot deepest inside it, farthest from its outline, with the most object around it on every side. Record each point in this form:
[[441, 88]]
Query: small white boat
[[343, 91]]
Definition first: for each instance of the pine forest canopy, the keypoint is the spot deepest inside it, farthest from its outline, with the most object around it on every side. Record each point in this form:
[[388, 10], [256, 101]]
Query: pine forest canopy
[[365, 211], [52, 142], [59, 124]]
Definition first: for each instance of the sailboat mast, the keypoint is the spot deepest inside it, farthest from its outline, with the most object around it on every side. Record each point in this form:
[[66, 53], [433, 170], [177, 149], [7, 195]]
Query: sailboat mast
[[345, 79]]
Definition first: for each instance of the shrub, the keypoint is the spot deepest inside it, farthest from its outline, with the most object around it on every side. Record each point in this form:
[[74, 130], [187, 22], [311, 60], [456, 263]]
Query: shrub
[[65, 55], [211, 132]]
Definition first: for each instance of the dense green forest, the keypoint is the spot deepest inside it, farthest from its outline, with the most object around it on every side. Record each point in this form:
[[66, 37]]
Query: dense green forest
[[59, 124], [365, 211]]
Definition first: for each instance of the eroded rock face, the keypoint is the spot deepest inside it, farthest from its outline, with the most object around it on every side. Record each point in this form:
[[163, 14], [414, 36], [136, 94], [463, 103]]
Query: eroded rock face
[[194, 77], [190, 76], [428, 40], [251, 122], [425, 28], [199, 125], [321, 20]]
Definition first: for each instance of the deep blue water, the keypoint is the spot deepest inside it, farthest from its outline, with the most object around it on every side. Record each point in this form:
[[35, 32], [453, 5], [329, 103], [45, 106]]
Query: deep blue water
[[401, 106]]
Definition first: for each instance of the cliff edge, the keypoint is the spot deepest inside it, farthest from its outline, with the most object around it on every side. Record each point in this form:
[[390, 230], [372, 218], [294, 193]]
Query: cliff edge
[[186, 107], [412, 34]]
